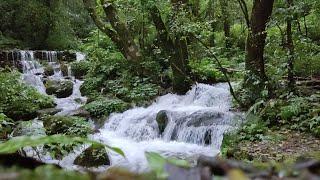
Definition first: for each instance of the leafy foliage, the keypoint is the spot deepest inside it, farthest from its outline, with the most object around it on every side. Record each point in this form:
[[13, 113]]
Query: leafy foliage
[[15, 144], [6, 126], [157, 163], [19, 101], [103, 107]]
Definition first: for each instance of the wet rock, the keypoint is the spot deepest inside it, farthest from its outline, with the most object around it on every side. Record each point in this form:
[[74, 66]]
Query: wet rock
[[80, 113], [162, 120], [59, 88], [93, 157], [49, 111], [207, 137], [48, 71], [64, 69], [205, 118]]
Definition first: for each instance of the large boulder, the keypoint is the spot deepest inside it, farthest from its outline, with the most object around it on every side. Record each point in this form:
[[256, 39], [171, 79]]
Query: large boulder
[[59, 88], [93, 157], [68, 125], [162, 120]]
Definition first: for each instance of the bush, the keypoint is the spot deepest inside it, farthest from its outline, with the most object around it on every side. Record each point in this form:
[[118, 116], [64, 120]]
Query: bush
[[6, 126], [207, 71], [67, 125], [80, 69], [104, 107], [19, 101]]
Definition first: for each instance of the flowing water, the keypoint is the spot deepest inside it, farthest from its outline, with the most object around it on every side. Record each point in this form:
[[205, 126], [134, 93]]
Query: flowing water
[[202, 115]]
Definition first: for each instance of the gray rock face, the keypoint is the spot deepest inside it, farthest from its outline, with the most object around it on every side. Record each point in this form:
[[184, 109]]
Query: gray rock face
[[162, 120], [61, 89], [93, 157]]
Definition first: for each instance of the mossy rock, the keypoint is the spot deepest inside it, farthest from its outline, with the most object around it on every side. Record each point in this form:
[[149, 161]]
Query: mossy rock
[[68, 125], [61, 89], [64, 69], [162, 120], [93, 157], [48, 70]]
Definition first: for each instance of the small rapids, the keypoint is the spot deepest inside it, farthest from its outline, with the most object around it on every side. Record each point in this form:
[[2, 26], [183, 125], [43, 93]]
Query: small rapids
[[203, 110], [196, 121]]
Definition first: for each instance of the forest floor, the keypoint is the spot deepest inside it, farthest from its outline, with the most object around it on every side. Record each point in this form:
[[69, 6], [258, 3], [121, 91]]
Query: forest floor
[[284, 146]]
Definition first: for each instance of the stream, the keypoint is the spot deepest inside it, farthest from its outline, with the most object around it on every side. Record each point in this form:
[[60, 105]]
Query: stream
[[196, 121]]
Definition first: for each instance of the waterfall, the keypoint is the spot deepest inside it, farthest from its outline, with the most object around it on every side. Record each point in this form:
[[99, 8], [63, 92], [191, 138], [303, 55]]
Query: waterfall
[[203, 110], [196, 121], [32, 71], [33, 74]]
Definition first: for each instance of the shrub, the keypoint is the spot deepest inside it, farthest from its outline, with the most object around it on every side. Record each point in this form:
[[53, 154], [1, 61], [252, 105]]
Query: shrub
[[103, 107], [6, 126], [80, 69], [19, 101]]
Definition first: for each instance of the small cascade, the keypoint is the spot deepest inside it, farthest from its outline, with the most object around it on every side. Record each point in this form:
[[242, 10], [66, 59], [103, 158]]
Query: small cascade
[[80, 56], [33, 74], [202, 114], [32, 71]]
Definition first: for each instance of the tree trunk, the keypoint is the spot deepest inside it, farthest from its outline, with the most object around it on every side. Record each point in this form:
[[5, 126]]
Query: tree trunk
[[255, 64], [120, 34], [290, 47], [226, 22], [177, 51]]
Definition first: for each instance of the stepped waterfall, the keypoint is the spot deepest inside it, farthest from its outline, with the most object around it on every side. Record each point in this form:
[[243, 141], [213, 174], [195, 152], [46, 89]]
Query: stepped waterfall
[[195, 124]]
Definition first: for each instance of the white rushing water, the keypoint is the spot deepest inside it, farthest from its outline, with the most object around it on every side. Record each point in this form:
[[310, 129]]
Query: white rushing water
[[196, 121], [203, 110]]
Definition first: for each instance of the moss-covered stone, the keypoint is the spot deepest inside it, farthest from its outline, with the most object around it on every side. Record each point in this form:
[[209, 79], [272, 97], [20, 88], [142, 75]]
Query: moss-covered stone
[[68, 125], [93, 157], [61, 89], [48, 70], [64, 69]]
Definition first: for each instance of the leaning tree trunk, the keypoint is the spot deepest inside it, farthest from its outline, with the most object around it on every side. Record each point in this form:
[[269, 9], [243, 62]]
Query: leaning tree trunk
[[119, 33], [177, 50], [256, 78]]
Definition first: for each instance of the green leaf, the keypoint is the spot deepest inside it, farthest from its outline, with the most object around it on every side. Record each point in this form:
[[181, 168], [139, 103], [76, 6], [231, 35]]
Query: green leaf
[[17, 143], [157, 163]]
